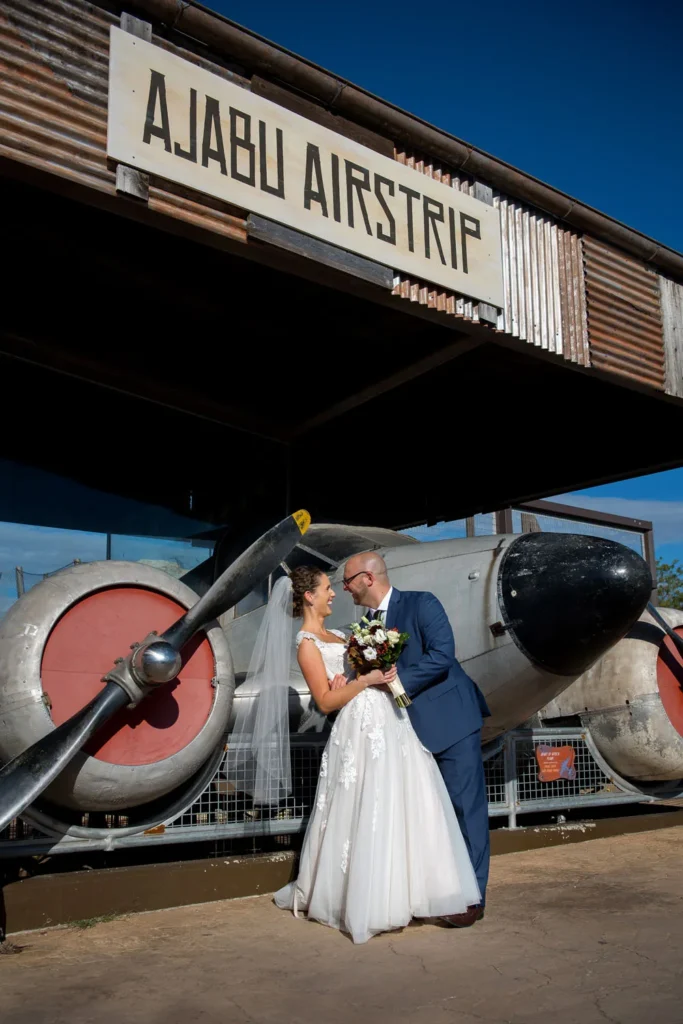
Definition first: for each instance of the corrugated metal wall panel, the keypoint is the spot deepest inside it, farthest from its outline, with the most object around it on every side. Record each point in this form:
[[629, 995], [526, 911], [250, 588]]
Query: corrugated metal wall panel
[[624, 315], [672, 318], [542, 275], [54, 67]]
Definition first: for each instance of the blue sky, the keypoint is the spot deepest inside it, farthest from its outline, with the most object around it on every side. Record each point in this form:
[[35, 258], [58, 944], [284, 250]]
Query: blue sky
[[585, 96]]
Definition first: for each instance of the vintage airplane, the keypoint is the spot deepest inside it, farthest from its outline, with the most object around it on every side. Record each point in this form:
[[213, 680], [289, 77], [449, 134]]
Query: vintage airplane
[[117, 682], [631, 704]]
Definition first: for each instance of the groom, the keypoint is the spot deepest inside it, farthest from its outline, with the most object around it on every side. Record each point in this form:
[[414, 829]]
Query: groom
[[447, 706]]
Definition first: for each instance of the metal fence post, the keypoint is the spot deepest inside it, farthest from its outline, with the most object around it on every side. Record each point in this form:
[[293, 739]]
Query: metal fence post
[[511, 778]]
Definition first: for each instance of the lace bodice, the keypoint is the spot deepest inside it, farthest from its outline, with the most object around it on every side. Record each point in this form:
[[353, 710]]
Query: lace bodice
[[332, 654]]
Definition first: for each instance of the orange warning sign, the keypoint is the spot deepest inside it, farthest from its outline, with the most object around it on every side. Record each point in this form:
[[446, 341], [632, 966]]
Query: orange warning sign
[[555, 763]]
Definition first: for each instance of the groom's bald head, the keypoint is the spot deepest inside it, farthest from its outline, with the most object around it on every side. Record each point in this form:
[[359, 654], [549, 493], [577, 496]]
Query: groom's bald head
[[368, 580], [367, 561]]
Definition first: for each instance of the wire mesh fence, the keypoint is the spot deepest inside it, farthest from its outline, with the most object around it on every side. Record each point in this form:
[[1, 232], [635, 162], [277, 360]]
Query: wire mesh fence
[[534, 771]]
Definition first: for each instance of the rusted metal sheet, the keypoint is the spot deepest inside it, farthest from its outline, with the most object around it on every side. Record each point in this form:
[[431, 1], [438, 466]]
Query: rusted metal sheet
[[624, 315], [542, 275], [672, 317], [54, 67]]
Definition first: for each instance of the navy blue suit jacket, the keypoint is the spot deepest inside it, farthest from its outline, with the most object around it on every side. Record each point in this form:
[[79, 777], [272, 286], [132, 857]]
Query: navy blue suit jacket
[[446, 704]]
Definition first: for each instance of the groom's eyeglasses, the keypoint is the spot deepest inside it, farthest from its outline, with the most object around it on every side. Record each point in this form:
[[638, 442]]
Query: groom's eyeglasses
[[349, 579]]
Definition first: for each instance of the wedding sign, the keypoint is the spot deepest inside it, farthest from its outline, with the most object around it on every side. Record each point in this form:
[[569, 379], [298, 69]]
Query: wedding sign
[[175, 120]]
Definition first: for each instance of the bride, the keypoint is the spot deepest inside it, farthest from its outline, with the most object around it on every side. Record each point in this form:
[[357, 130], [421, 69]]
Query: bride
[[383, 844]]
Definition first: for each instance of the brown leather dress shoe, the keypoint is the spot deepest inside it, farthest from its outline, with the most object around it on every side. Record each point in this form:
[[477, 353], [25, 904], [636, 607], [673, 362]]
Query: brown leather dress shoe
[[466, 920]]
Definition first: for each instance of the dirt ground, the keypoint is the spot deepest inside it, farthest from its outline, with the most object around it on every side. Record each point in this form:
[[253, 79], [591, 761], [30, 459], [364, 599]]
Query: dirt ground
[[573, 935]]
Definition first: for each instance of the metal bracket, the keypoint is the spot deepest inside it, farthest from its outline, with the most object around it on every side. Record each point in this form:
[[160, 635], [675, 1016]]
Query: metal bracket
[[498, 629]]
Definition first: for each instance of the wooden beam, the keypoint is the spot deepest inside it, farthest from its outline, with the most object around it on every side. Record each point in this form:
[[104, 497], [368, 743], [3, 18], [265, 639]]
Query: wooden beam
[[48, 356], [466, 343], [585, 515], [322, 252]]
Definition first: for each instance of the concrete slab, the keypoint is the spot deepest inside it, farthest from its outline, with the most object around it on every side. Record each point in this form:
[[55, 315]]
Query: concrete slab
[[581, 934]]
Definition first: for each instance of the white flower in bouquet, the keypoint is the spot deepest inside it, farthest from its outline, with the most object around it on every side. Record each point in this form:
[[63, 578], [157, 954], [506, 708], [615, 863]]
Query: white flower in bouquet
[[372, 643]]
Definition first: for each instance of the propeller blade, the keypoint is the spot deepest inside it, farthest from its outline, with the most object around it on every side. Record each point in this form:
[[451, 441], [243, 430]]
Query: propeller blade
[[676, 637], [24, 778], [240, 578]]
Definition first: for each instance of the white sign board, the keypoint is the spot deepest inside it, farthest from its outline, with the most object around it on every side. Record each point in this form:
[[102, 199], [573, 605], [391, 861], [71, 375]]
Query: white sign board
[[175, 120]]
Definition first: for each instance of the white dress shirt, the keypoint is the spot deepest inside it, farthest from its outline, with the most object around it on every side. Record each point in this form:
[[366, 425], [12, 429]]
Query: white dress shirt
[[383, 605]]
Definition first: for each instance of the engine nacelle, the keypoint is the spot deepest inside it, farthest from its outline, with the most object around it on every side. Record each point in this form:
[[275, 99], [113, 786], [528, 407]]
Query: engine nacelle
[[631, 702], [57, 642]]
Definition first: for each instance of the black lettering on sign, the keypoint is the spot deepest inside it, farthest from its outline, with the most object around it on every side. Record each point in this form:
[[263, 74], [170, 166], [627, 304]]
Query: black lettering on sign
[[212, 127], [157, 91], [313, 166], [410, 195], [360, 185], [433, 213], [451, 232], [191, 153], [273, 190], [468, 226], [381, 233], [336, 198], [244, 142]]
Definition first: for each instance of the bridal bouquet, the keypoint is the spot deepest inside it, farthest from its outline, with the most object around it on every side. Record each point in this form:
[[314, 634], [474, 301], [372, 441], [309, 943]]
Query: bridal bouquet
[[372, 645]]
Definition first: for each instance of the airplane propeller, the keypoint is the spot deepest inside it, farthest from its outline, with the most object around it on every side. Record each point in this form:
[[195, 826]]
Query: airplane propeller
[[150, 664]]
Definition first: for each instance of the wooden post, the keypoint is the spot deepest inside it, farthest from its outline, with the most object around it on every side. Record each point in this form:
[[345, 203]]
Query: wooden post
[[487, 312], [504, 521]]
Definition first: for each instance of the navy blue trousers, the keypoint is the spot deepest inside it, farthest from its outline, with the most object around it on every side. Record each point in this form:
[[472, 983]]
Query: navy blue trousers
[[463, 772]]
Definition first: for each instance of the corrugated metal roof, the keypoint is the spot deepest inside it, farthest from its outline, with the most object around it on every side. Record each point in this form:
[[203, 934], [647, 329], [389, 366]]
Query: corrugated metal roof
[[54, 68], [624, 315]]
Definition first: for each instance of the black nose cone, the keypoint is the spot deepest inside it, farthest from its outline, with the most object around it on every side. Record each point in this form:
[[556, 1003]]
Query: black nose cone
[[566, 599]]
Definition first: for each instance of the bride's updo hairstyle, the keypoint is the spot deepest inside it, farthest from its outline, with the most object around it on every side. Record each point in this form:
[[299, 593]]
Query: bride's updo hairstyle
[[304, 579]]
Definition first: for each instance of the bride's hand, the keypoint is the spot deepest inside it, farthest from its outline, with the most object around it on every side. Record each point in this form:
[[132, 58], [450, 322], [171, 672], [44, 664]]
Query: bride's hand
[[338, 681], [374, 678], [390, 674]]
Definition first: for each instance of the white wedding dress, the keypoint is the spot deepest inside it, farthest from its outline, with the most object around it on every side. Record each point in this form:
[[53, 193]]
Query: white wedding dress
[[383, 843]]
